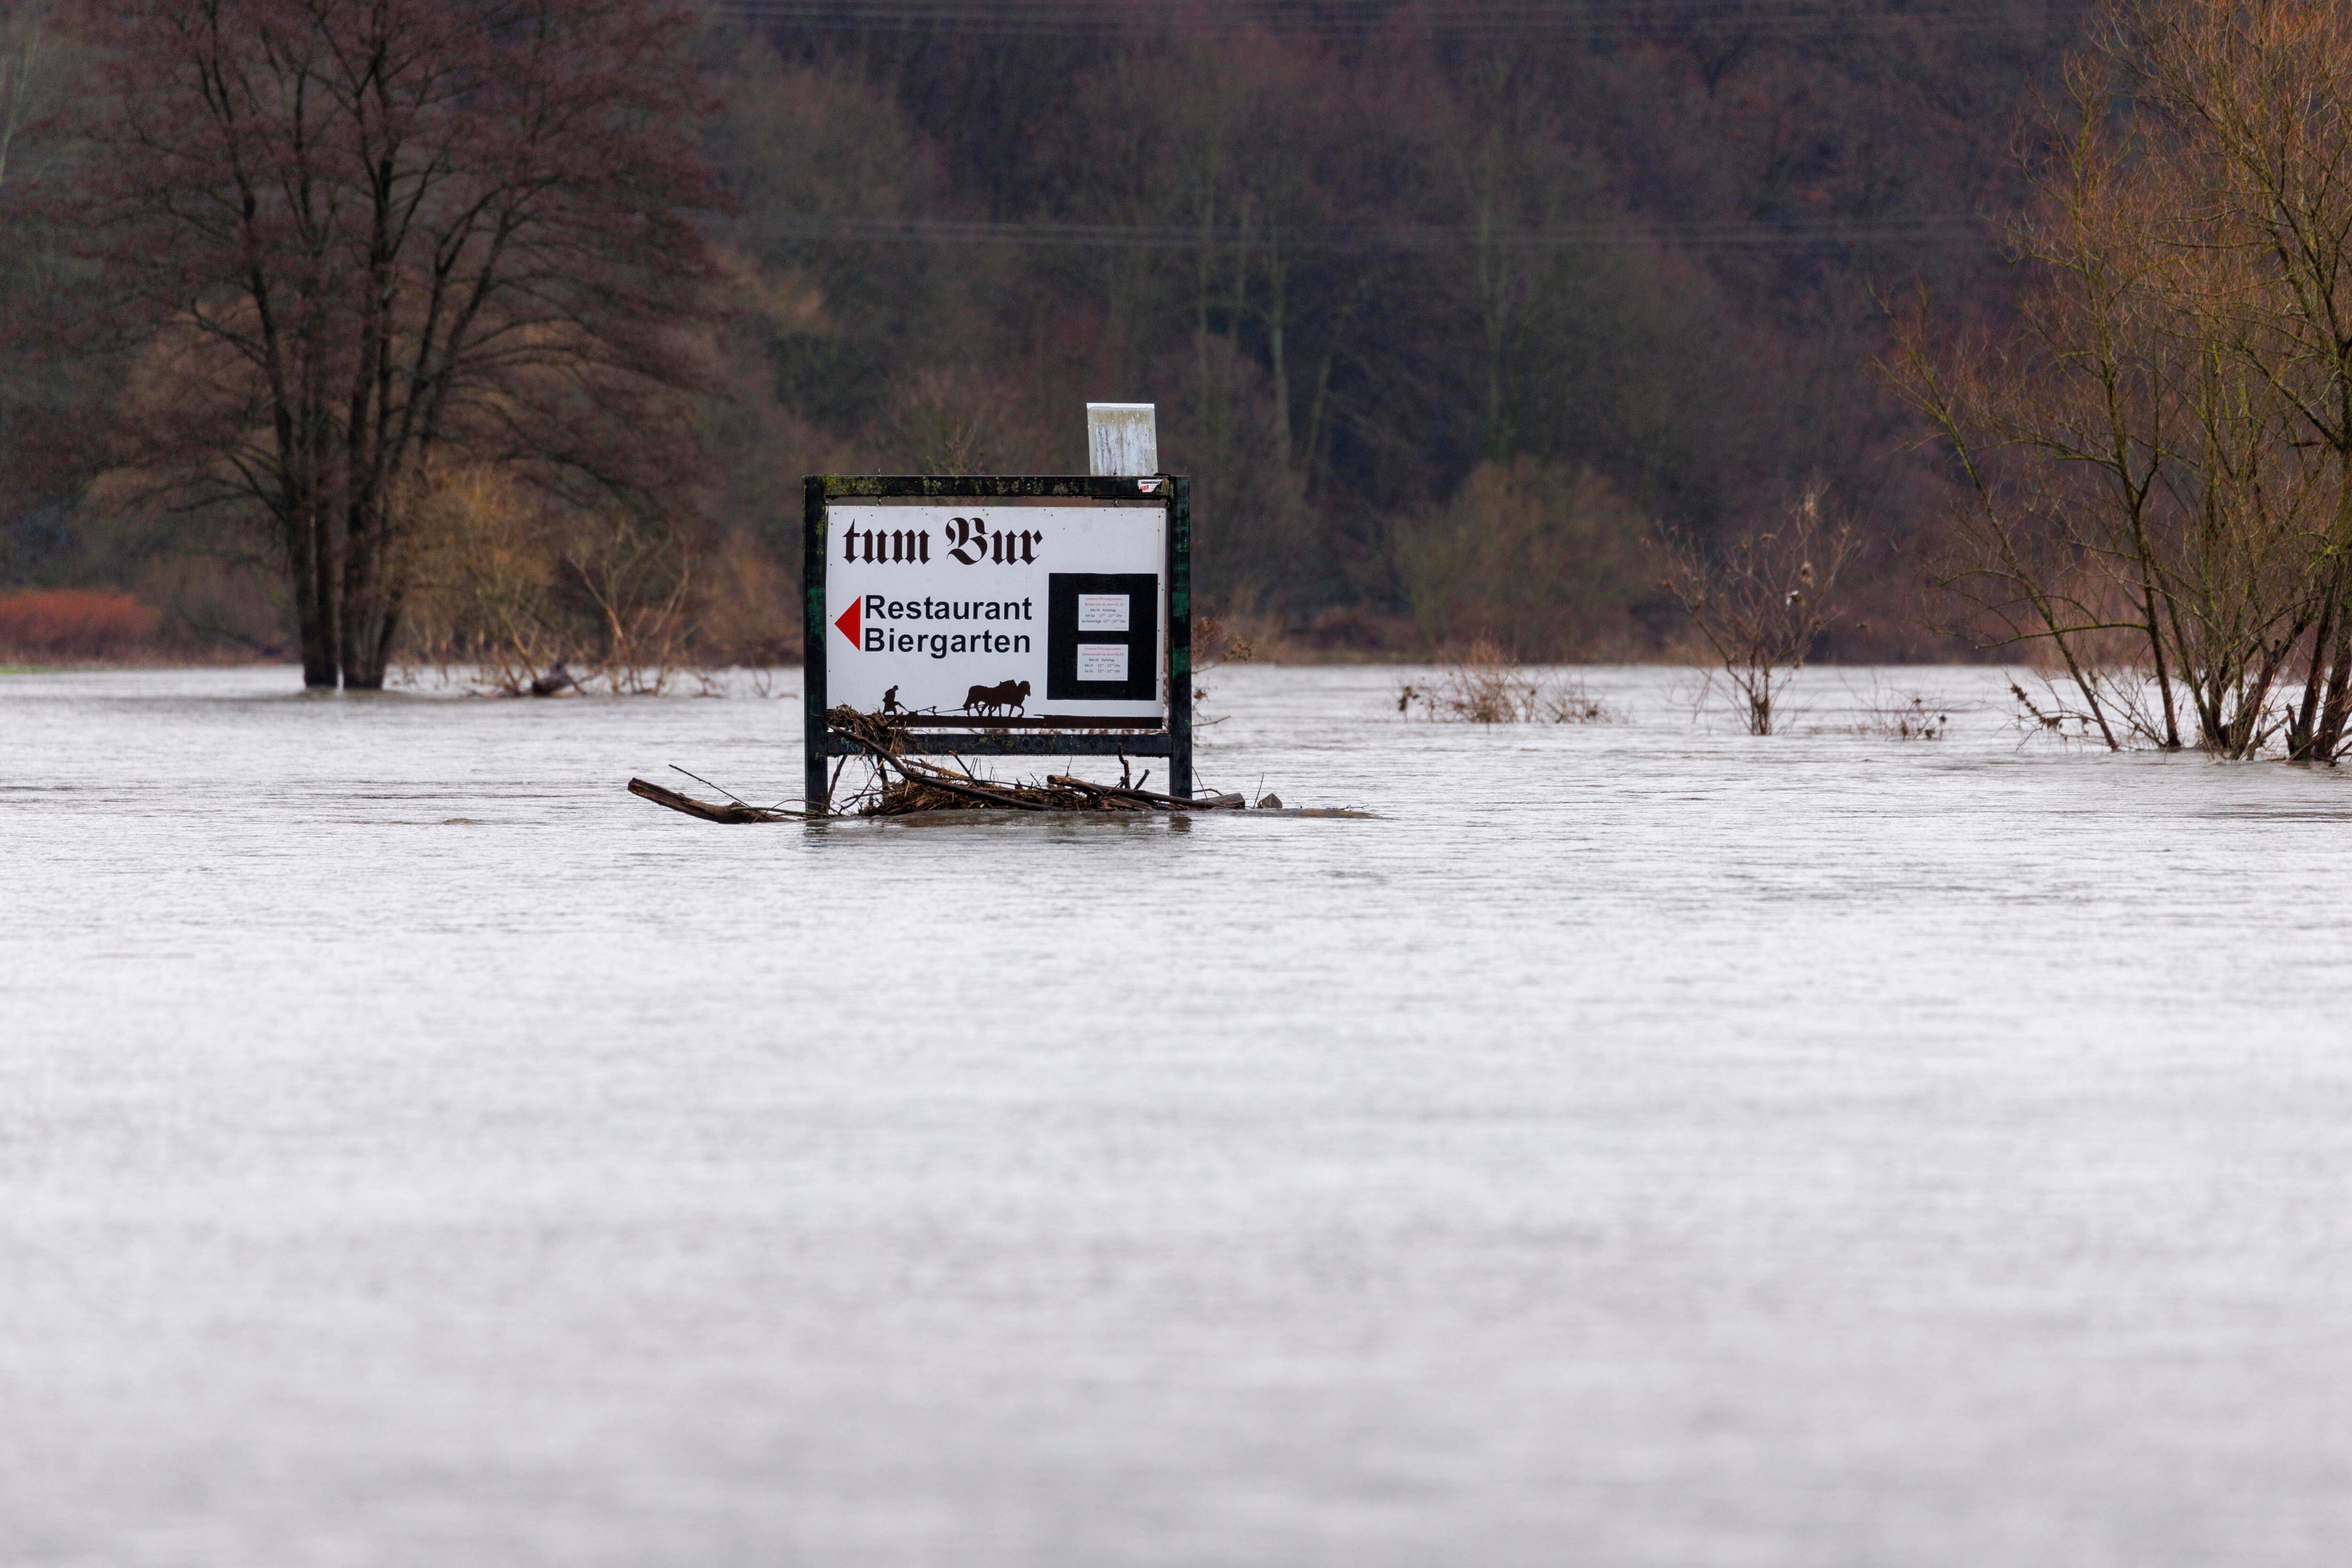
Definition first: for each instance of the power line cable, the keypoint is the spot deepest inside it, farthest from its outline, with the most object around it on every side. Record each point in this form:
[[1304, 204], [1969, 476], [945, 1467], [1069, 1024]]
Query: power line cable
[[1930, 230], [1056, 19]]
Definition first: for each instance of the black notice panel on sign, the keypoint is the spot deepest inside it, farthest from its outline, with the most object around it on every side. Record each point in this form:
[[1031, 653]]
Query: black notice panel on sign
[[1102, 636]]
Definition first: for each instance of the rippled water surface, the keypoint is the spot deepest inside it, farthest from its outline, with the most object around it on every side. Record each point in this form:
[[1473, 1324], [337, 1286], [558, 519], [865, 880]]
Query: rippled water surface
[[1641, 1145]]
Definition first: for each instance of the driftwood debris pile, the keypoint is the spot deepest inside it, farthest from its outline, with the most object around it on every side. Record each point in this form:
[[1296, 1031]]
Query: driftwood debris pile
[[904, 785], [924, 787]]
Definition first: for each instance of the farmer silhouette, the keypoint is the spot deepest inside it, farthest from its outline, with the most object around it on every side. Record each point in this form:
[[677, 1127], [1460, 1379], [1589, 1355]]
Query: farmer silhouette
[[890, 701]]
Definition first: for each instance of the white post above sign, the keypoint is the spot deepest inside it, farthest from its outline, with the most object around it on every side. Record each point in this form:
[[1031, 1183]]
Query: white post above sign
[[1123, 439]]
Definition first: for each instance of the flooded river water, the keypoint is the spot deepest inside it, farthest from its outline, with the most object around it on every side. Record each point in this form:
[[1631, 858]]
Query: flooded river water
[[1641, 1144]]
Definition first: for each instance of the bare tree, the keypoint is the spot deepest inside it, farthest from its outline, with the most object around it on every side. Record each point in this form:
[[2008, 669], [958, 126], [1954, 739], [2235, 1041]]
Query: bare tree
[[356, 236], [2260, 101], [1763, 600], [2154, 465]]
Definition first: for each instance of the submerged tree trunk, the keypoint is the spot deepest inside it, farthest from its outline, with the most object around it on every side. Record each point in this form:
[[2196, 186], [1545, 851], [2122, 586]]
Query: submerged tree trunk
[[2328, 736], [2303, 724], [364, 643], [310, 572]]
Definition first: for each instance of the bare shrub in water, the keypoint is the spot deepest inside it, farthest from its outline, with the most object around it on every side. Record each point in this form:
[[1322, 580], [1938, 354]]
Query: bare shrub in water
[[483, 589], [522, 589], [1763, 600], [1216, 642], [1485, 685], [1902, 716], [1566, 702]]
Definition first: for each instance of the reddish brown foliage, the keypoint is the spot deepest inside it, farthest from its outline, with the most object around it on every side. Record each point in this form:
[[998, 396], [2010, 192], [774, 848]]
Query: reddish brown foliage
[[74, 623]]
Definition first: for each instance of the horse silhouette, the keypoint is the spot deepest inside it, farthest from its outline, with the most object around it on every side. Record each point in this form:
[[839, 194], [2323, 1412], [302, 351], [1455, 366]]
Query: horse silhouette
[[1010, 694]]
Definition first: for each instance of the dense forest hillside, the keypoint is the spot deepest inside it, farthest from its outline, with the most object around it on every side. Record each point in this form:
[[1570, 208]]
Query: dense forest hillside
[[1448, 307]]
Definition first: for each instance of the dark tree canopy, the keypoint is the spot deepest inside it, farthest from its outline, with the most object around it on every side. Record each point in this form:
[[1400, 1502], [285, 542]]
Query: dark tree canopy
[[1363, 253], [1531, 282]]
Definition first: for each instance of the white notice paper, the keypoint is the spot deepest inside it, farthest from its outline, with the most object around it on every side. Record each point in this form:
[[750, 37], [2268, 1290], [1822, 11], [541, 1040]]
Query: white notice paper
[[1102, 613], [1103, 660]]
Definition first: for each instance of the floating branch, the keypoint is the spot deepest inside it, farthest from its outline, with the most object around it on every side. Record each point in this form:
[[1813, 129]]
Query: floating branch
[[734, 811]]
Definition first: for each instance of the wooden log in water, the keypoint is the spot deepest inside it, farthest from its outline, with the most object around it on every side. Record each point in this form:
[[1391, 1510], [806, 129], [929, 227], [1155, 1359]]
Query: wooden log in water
[[733, 811]]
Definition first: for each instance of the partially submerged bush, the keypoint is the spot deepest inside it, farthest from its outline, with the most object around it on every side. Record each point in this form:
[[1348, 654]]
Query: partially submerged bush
[[1762, 600], [1902, 716], [1485, 685], [1216, 642], [523, 589], [1566, 702]]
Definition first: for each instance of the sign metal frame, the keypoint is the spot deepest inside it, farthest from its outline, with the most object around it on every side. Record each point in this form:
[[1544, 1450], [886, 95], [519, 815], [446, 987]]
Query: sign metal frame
[[944, 736]]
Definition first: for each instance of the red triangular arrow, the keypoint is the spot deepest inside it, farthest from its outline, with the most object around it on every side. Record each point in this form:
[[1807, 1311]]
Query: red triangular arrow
[[847, 626]]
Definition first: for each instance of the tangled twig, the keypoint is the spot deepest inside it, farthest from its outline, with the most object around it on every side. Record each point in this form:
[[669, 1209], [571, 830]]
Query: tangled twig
[[921, 786]]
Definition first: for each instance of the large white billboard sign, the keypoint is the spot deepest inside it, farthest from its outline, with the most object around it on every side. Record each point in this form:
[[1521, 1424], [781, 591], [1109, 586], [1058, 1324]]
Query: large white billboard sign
[[1003, 611]]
